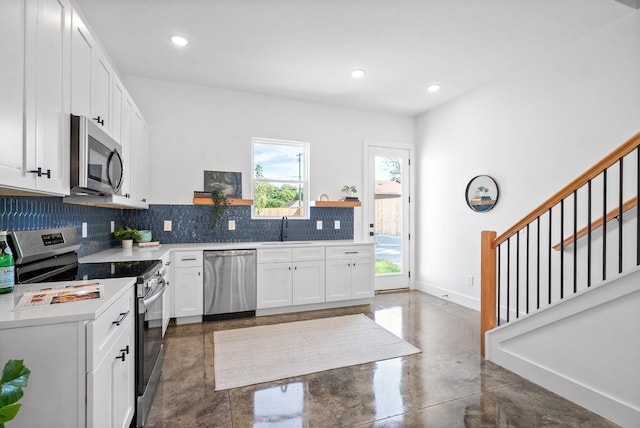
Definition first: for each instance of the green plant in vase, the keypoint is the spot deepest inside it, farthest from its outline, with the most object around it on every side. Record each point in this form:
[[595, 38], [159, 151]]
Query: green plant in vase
[[220, 206]]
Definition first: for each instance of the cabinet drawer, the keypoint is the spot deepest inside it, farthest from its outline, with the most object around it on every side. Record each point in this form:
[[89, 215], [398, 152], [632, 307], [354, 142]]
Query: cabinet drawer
[[350, 252], [102, 332], [187, 259], [273, 255], [301, 254]]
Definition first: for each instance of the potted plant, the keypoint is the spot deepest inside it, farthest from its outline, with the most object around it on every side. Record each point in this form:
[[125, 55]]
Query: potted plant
[[220, 205], [127, 235], [346, 190], [15, 376]]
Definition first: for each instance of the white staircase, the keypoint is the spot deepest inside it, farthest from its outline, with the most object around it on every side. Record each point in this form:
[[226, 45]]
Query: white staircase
[[585, 348]]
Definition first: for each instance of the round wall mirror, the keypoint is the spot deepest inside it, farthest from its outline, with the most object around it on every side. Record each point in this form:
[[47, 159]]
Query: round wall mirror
[[482, 193]]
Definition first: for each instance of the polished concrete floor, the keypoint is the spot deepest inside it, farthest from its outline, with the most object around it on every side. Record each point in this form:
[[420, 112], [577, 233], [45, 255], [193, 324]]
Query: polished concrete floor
[[447, 385]]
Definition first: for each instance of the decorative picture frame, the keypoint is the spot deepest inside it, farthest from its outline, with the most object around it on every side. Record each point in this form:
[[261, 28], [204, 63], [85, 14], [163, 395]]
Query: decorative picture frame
[[229, 183], [482, 193]]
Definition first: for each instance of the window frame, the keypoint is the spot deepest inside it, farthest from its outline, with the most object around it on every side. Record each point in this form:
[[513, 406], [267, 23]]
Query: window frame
[[305, 180]]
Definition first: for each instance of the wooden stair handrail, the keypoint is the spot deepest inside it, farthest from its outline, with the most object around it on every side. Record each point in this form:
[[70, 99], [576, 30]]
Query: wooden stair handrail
[[620, 152], [598, 223]]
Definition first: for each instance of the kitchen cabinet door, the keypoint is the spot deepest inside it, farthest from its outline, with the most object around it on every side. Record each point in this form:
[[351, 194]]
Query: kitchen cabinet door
[[101, 91], [188, 292], [111, 386], [167, 297], [274, 288], [117, 108], [362, 277], [338, 280], [47, 95], [308, 282], [139, 163], [12, 147], [82, 45]]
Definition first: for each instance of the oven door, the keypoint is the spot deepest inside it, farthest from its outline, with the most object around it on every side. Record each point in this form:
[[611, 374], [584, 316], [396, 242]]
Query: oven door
[[149, 347]]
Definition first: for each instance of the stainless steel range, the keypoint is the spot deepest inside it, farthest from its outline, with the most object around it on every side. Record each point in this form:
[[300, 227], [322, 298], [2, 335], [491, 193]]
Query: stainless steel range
[[50, 255]]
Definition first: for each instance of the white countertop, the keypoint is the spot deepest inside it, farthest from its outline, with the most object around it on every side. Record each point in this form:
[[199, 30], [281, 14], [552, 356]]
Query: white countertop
[[119, 254], [85, 310], [114, 288]]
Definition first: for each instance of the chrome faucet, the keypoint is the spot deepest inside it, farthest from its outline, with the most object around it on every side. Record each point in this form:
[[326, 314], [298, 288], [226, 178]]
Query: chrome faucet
[[284, 226]]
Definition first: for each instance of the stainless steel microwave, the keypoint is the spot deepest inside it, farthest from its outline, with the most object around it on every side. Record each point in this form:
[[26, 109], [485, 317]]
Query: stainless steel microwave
[[96, 159]]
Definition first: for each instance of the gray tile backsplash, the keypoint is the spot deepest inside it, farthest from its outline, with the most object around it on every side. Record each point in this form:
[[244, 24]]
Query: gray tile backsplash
[[190, 223]]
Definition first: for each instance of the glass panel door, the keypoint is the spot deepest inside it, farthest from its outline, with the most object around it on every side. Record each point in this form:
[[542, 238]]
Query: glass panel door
[[390, 216]]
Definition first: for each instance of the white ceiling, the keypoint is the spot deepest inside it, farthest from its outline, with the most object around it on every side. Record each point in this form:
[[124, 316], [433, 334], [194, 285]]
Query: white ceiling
[[306, 49]]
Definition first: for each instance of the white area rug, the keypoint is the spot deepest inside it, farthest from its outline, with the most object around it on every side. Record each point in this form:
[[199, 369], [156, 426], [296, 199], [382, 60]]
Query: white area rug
[[247, 356]]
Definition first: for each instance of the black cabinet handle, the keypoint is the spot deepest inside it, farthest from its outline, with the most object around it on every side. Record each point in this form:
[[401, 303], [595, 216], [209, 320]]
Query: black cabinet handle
[[123, 316], [99, 120], [125, 350], [121, 357], [40, 173]]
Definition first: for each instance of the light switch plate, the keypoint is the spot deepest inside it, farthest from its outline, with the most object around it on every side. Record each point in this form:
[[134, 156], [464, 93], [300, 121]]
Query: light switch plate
[[336, 224], [167, 225], [84, 229], [232, 225], [319, 224]]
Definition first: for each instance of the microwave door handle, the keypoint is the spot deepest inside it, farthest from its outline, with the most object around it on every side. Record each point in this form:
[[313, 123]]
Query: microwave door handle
[[109, 160]]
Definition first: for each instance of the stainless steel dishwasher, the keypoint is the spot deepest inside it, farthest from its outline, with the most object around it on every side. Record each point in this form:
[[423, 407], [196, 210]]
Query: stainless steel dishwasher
[[229, 284]]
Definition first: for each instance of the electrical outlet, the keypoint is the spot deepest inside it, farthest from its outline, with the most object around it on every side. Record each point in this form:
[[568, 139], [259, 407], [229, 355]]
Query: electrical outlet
[[319, 224], [167, 225], [232, 225], [470, 280], [113, 226], [336, 224], [84, 229]]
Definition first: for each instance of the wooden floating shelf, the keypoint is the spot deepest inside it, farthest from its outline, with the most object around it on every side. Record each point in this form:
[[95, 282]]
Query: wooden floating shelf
[[207, 201], [341, 204]]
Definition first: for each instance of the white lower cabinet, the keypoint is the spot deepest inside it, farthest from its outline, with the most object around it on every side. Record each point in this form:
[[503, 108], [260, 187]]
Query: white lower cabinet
[[167, 297], [349, 272], [188, 286], [110, 385], [82, 372], [290, 276]]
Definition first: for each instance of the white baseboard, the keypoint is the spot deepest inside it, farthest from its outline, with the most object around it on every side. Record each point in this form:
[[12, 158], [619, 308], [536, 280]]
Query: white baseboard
[[460, 299]]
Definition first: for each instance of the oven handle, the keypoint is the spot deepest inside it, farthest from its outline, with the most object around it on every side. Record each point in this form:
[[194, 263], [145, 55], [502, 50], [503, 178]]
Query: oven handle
[[147, 301]]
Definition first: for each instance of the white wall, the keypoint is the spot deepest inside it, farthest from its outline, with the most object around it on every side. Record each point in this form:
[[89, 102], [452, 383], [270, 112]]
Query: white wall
[[197, 128], [534, 130]]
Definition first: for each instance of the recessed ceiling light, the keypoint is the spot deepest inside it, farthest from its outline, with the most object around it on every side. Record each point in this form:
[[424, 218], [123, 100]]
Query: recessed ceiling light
[[179, 41], [358, 73], [435, 87]]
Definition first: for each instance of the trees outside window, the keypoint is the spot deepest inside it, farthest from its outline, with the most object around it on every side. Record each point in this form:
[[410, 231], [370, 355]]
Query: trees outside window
[[280, 178]]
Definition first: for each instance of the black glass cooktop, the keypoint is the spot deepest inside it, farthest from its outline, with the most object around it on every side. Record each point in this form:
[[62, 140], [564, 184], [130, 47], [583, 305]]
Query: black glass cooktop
[[67, 268], [144, 268]]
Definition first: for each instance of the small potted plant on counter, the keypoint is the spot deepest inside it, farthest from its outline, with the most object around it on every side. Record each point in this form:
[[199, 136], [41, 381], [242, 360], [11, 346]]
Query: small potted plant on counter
[[127, 235]]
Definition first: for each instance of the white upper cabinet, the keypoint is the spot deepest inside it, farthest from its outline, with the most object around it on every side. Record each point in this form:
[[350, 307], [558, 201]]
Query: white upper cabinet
[[35, 84], [81, 47], [35, 100], [91, 79], [53, 67], [101, 94], [12, 26]]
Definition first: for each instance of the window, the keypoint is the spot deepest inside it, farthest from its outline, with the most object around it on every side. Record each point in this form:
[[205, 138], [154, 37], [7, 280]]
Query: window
[[280, 179]]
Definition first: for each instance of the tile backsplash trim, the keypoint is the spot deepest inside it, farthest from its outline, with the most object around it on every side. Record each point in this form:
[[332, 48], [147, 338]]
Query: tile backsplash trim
[[190, 223]]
